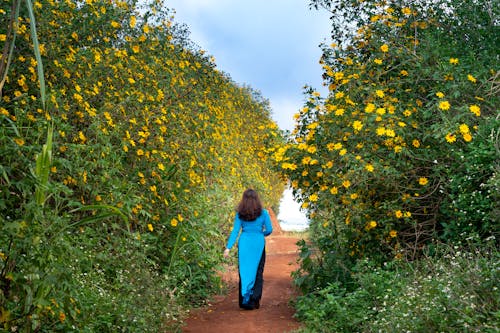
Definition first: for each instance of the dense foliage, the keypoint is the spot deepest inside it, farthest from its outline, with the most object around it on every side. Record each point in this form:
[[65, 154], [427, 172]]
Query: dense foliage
[[451, 291], [123, 151], [403, 152]]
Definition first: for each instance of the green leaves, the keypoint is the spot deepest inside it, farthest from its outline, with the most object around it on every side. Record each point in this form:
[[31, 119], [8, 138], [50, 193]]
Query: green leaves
[[36, 50], [42, 168]]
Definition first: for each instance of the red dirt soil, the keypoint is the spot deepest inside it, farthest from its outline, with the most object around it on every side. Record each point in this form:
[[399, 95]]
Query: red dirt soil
[[274, 314]]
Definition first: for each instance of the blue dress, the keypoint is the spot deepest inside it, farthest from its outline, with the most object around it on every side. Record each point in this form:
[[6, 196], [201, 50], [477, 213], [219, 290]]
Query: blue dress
[[251, 245]]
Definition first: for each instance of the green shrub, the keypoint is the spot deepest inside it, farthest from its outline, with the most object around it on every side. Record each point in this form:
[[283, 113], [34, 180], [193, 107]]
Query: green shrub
[[120, 166], [455, 290]]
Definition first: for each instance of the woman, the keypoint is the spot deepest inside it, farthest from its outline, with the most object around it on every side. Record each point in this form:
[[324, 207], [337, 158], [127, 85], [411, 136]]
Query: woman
[[254, 223]]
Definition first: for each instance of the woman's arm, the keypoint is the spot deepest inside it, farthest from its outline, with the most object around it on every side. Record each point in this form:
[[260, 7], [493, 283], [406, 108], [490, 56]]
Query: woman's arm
[[234, 233], [268, 226]]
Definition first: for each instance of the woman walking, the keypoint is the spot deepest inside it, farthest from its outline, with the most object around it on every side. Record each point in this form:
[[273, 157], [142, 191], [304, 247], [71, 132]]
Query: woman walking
[[254, 223]]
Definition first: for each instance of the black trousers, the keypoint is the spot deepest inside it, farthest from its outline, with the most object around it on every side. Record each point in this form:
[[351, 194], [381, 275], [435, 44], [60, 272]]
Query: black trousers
[[254, 302]]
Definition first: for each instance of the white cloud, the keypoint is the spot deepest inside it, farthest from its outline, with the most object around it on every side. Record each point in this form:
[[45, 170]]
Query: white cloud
[[283, 111], [290, 215]]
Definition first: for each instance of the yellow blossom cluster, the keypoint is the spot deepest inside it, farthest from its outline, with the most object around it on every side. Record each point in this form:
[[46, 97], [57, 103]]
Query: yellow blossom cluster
[[144, 118], [356, 153]]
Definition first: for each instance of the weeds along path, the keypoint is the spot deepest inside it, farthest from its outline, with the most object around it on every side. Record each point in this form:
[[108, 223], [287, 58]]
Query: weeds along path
[[274, 315]]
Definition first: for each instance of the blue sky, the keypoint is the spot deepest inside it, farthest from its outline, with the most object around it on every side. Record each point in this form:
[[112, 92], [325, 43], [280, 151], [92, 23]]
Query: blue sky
[[270, 45]]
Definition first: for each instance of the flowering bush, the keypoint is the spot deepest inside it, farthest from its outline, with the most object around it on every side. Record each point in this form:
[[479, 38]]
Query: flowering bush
[[141, 168], [379, 164], [402, 154]]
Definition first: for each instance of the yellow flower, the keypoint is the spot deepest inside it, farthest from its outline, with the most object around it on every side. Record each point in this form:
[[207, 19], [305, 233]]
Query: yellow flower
[[439, 94], [62, 317], [3, 37], [471, 78], [370, 107], [398, 214], [82, 137], [290, 166], [384, 48], [334, 190], [98, 198], [313, 197], [339, 76], [378, 61], [339, 112], [19, 141], [454, 61], [161, 166], [342, 152], [346, 183], [464, 129], [450, 138], [150, 227], [475, 109], [423, 181], [416, 143], [444, 105], [140, 152], [406, 11], [312, 149], [174, 222], [370, 225], [379, 93], [133, 21], [357, 125], [369, 167], [404, 72], [390, 133], [467, 137], [393, 233]]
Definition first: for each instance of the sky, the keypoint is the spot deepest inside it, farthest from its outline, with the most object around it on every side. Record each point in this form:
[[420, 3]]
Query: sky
[[270, 45]]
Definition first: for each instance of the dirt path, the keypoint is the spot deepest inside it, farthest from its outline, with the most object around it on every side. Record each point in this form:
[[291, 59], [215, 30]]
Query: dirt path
[[274, 315]]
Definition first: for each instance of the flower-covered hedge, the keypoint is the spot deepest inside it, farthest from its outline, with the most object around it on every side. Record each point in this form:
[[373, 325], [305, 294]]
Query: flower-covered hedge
[[138, 149]]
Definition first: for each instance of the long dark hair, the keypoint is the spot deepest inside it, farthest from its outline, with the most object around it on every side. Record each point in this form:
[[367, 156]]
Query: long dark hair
[[250, 206]]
